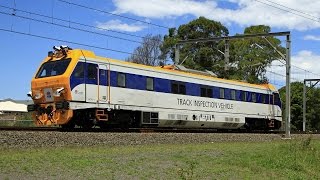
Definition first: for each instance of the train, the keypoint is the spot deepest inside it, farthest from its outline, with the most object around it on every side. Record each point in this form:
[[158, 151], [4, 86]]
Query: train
[[75, 87]]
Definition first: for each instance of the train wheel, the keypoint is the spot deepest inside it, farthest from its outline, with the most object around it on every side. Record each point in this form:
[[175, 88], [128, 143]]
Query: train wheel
[[69, 126], [87, 125]]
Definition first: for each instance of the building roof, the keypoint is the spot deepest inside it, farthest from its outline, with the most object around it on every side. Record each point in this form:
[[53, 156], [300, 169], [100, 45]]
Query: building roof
[[11, 106]]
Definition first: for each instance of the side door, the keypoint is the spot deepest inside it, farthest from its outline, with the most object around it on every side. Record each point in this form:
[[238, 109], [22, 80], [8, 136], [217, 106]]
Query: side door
[[271, 105], [103, 87], [91, 82]]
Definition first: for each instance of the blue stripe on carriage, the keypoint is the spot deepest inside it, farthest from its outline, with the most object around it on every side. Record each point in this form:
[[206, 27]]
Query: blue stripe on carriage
[[135, 81]]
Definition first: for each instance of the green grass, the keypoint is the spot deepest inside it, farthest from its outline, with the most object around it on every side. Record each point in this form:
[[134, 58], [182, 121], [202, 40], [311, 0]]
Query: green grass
[[17, 123], [234, 160]]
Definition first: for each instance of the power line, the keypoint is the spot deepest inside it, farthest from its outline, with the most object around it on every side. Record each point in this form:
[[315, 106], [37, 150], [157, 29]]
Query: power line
[[65, 41], [305, 70], [69, 21], [293, 9], [113, 14], [301, 14], [275, 73], [69, 27], [69, 42]]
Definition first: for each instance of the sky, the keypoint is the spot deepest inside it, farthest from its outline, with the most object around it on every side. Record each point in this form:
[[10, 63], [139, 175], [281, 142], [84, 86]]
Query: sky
[[113, 28]]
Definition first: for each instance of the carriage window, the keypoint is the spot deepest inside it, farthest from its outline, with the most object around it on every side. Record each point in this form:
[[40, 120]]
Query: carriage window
[[205, 91], [243, 96], [175, 88], [263, 98], [233, 94], [92, 71], [178, 88], [271, 100], [121, 80], [79, 71], [222, 93], [150, 84], [277, 100], [182, 89], [254, 97]]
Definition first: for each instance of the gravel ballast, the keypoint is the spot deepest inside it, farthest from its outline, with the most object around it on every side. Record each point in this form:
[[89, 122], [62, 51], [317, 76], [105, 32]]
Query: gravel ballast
[[25, 139]]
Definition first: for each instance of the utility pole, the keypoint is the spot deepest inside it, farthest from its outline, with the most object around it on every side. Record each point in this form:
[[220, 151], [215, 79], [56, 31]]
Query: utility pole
[[305, 99], [226, 55], [177, 54], [288, 89]]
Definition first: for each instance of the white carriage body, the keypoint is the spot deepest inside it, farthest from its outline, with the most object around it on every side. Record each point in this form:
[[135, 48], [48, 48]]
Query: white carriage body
[[165, 109]]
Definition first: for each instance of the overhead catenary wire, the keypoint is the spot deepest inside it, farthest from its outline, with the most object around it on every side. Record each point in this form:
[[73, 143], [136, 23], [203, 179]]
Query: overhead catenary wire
[[292, 9], [65, 26], [69, 42], [287, 9], [113, 14], [69, 21]]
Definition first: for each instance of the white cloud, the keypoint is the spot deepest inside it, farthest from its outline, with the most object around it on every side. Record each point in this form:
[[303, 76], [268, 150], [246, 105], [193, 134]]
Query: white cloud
[[305, 65], [163, 8], [120, 26], [311, 37], [248, 12]]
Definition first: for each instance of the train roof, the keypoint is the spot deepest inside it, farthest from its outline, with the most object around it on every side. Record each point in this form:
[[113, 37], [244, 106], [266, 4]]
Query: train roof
[[172, 69]]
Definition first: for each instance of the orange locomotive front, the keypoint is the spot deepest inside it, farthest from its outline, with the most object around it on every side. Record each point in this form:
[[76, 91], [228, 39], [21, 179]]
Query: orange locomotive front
[[50, 87]]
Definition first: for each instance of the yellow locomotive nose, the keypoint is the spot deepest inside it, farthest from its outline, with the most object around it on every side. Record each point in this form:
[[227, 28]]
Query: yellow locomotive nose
[[50, 89], [52, 114]]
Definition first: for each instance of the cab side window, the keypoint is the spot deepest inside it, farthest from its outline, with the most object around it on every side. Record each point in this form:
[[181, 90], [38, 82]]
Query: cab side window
[[79, 71]]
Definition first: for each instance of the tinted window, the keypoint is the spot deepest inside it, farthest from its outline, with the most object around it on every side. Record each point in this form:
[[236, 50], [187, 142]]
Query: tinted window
[[243, 96], [233, 94], [175, 88], [263, 98], [254, 97], [178, 88], [150, 84], [182, 89], [221, 93], [277, 100], [92, 71], [53, 68], [121, 80], [79, 70], [209, 92], [271, 99], [205, 91]]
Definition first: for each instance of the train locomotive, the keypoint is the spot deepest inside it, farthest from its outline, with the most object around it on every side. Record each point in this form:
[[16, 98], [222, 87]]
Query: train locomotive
[[76, 87]]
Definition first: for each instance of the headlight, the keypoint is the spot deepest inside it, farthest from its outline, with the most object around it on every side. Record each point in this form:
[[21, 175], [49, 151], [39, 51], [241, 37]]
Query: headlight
[[58, 92], [29, 94], [37, 95]]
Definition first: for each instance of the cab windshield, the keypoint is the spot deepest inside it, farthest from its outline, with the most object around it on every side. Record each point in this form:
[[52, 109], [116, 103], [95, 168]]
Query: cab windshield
[[53, 68]]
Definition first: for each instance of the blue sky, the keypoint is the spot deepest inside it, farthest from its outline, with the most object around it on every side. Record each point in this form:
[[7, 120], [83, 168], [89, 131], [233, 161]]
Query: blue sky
[[21, 54]]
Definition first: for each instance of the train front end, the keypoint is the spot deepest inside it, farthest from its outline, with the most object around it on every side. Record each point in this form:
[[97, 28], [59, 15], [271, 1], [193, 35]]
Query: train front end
[[50, 88]]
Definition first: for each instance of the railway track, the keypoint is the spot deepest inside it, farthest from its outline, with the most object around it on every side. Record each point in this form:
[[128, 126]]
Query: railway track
[[139, 130]]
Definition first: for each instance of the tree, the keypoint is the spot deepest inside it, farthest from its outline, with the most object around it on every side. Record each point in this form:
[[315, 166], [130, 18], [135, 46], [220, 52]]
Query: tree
[[148, 52], [251, 57], [197, 56], [313, 106]]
